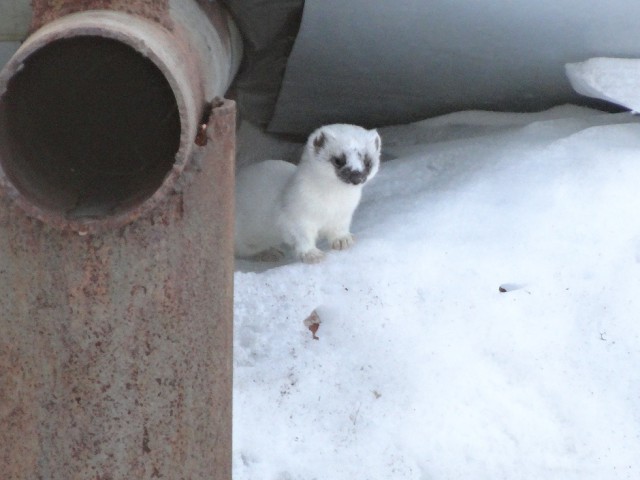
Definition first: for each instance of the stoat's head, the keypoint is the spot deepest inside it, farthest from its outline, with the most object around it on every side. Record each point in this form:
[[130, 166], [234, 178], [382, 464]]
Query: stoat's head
[[349, 152]]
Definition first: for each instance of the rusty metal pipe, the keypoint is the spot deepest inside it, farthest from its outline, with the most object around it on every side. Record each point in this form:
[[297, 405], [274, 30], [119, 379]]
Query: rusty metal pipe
[[99, 109], [116, 243]]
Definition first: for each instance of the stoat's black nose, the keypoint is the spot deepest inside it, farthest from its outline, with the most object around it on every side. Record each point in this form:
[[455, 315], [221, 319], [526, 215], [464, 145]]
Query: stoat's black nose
[[357, 178], [352, 177]]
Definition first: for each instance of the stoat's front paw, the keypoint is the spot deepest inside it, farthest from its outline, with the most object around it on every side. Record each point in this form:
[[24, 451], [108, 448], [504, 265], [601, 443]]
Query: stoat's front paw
[[312, 256], [343, 243]]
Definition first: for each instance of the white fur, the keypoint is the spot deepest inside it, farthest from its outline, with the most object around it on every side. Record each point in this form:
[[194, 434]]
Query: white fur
[[278, 203]]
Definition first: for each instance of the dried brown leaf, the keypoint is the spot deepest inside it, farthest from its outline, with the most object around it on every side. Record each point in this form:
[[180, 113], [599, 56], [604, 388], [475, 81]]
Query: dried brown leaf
[[312, 322]]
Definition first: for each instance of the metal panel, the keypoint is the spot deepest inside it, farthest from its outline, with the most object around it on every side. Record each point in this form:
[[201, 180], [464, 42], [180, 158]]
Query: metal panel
[[378, 63]]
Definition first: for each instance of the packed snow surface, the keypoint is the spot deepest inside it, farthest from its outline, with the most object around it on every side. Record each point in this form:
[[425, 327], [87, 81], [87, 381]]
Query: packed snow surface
[[486, 325]]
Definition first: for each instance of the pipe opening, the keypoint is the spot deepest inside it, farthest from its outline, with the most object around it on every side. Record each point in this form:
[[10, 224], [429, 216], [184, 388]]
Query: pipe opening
[[89, 127]]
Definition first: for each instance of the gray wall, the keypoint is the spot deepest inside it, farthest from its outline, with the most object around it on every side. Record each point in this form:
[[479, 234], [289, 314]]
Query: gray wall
[[378, 63]]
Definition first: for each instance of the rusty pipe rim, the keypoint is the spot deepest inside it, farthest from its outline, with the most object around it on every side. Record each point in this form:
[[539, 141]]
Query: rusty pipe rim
[[135, 39]]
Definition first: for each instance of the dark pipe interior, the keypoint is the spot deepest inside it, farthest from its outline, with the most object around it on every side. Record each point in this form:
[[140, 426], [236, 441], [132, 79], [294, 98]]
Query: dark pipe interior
[[88, 128]]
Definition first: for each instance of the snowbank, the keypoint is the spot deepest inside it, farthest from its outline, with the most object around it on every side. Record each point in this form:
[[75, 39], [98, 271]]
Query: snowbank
[[484, 326], [615, 80]]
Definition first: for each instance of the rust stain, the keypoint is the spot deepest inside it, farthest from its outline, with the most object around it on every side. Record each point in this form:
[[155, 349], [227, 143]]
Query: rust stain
[[92, 288], [11, 382], [145, 441], [45, 11], [17, 416], [201, 136]]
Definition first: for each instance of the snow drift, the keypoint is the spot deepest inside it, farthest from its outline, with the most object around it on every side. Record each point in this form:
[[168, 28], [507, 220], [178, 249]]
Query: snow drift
[[485, 325]]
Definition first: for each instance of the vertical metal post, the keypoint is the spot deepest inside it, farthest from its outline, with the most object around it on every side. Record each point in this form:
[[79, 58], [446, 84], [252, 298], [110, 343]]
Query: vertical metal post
[[115, 348], [116, 248]]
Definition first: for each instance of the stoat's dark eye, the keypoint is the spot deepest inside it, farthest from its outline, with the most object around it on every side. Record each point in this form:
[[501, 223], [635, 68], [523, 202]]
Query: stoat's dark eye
[[367, 161], [339, 162]]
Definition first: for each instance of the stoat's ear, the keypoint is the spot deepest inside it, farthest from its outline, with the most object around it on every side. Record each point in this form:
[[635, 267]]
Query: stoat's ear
[[319, 141], [320, 138], [376, 139]]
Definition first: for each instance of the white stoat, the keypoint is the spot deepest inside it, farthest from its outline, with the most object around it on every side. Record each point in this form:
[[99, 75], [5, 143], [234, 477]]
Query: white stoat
[[278, 203]]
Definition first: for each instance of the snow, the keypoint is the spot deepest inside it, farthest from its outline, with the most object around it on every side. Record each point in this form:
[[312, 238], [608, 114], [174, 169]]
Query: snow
[[484, 326], [615, 80]]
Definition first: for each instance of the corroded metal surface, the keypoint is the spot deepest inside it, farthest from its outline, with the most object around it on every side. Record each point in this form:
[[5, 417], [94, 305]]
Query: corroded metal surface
[[45, 11], [115, 351], [194, 46]]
